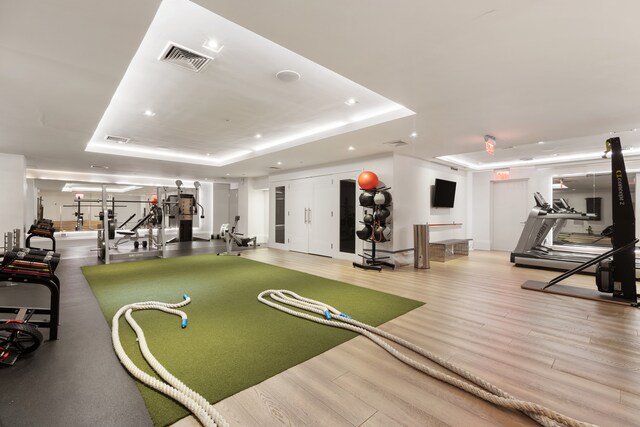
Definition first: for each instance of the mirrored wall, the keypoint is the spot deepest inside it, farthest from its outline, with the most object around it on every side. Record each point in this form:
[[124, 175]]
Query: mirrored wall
[[589, 193], [75, 206]]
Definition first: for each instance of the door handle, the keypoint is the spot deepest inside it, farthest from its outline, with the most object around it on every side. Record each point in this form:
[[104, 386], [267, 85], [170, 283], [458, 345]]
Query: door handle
[[309, 215], [305, 215]]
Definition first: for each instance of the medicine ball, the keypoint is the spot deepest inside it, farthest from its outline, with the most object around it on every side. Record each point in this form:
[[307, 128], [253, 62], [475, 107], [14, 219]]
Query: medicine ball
[[368, 219], [384, 214], [366, 199], [367, 180], [364, 232], [382, 198]]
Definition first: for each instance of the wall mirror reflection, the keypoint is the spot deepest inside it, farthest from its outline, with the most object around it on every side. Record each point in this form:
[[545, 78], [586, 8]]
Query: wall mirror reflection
[[75, 206], [589, 194]]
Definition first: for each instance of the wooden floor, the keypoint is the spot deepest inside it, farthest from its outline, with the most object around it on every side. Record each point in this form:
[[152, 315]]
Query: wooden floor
[[579, 357]]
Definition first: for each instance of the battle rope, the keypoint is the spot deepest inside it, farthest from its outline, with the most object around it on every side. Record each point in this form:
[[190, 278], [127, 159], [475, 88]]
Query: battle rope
[[474, 385], [173, 387]]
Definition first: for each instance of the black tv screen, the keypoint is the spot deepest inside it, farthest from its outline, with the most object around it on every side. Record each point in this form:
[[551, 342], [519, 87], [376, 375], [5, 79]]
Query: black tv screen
[[444, 194]]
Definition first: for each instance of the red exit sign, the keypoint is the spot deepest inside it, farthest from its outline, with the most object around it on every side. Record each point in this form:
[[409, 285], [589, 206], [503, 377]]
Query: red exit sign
[[490, 146], [502, 174]]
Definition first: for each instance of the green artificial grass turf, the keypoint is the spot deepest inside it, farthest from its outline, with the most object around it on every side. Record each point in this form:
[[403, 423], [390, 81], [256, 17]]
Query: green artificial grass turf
[[232, 341]]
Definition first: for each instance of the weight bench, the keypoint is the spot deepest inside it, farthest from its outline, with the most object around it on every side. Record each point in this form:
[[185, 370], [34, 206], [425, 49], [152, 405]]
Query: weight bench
[[132, 235]]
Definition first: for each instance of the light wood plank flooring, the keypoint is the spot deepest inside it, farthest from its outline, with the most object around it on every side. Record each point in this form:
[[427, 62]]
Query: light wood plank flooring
[[579, 357]]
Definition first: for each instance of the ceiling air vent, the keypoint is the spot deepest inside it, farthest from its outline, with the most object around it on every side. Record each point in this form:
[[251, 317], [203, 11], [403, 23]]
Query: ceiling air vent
[[274, 168], [396, 144], [186, 58], [117, 139]]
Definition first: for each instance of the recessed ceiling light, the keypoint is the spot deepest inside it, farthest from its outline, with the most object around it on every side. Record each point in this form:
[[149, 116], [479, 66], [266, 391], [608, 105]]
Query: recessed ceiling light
[[163, 148], [208, 154], [213, 46], [351, 101], [99, 167], [228, 174], [279, 163], [540, 142], [414, 134], [149, 113], [288, 76], [351, 148], [258, 136]]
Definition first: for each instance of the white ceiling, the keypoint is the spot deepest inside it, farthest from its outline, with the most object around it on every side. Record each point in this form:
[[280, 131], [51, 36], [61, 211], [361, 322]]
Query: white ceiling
[[522, 71]]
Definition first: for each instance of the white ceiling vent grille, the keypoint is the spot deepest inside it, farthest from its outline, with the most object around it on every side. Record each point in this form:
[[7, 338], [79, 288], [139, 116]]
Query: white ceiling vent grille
[[117, 139], [186, 58], [397, 143]]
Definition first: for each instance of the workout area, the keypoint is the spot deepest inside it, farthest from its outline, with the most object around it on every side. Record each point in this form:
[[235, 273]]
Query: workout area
[[359, 214]]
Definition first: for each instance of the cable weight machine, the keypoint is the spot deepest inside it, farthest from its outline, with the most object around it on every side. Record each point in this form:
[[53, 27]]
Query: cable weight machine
[[182, 207]]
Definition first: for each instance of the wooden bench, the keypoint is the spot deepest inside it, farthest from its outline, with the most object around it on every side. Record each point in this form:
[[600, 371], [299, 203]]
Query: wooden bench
[[448, 249]]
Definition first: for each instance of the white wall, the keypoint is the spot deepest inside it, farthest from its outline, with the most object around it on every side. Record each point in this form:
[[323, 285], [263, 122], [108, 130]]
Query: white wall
[[31, 201], [412, 201], [253, 202], [220, 214], [381, 165], [205, 198], [537, 180], [540, 179], [14, 189]]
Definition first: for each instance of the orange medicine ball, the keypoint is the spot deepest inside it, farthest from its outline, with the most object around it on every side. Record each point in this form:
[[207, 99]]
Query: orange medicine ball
[[154, 199], [368, 180]]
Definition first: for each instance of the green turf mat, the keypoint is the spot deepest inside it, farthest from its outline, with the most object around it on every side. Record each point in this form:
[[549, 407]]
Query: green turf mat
[[232, 341]]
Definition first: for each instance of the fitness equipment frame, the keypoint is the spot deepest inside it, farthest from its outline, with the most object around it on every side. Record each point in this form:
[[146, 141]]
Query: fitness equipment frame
[[371, 261], [11, 239], [19, 335], [616, 270], [543, 218], [183, 207], [230, 237], [107, 254]]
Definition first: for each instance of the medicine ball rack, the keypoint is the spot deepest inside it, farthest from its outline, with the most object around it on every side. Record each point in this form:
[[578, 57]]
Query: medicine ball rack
[[379, 219]]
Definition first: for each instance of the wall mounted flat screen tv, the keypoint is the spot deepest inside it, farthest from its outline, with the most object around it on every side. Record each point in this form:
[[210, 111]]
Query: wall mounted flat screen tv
[[444, 193]]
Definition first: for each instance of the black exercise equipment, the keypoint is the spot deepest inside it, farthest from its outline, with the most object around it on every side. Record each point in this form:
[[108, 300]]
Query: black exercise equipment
[[366, 198], [616, 270], [42, 228], [182, 207], [20, 336], [375, 227], [150, 220]]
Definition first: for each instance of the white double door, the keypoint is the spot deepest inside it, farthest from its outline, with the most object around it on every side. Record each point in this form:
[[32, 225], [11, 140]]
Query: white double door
[[311, 215]]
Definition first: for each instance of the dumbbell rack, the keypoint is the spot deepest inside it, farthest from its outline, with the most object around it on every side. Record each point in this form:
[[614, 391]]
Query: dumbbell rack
[[370, 261]]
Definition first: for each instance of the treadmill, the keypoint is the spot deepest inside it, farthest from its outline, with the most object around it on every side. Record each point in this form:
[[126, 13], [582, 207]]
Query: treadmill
[[543, 218]]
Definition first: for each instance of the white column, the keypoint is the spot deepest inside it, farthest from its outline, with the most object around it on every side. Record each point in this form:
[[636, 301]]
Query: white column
[[13, 177]]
